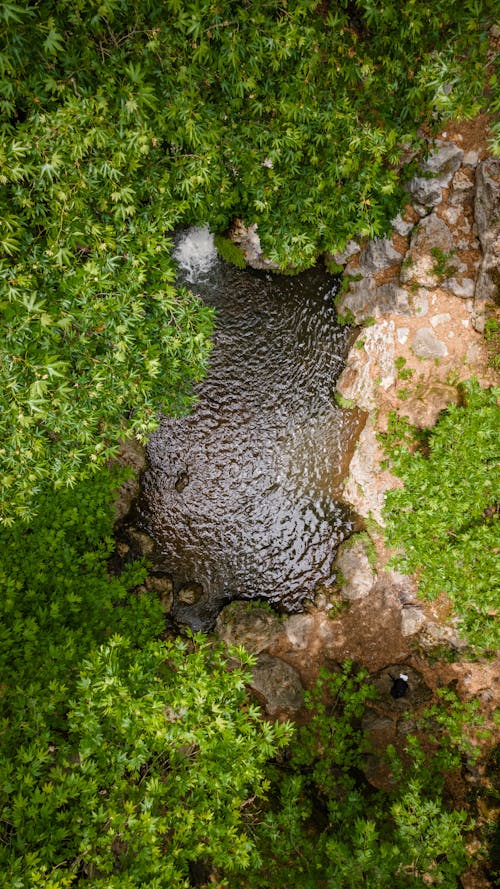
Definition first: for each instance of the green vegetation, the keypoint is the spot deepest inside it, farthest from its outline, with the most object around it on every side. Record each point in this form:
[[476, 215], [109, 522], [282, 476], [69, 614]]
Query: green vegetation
[[444, 522], [325, 826], [124, 120], [442, 267], [230, 251], [127, 760], [124, 758]]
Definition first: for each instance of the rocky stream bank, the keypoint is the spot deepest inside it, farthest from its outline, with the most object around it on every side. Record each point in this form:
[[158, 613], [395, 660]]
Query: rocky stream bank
[[420, 298]]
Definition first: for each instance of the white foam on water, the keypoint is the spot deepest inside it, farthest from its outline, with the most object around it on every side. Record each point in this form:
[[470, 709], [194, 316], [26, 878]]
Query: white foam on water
[[195, 253]]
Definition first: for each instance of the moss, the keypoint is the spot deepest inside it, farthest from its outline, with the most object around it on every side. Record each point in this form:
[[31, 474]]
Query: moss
[[333, 267], [345, 403], [230, 251]]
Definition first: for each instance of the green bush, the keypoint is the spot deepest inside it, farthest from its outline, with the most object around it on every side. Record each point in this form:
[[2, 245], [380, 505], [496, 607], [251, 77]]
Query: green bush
[[444, 522], [327, 827], [124, 759], [123, 121]]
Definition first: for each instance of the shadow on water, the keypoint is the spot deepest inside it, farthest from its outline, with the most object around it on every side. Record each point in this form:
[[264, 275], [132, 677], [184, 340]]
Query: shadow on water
[[241, 496]]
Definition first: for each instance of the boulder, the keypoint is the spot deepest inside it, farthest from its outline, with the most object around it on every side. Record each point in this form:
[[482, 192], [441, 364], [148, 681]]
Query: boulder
[[374, 361], [278, 685], [487, 217], [253, 626], [437, 172], [426, 344], [357, 576], [419, 264]]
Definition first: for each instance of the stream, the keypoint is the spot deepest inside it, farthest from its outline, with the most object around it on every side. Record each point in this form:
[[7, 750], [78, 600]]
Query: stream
[[242, 496]]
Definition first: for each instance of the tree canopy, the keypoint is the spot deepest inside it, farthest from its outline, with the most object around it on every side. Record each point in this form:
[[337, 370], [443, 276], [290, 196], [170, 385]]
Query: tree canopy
[[124, 119]]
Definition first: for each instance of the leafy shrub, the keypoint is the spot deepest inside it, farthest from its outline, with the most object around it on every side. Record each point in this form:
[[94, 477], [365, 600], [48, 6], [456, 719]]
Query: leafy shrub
[[124, 759], [444, 521], [123, 121], [327, 827]]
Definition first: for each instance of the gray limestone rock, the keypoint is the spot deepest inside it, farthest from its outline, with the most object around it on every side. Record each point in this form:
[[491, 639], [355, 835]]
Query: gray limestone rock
[[351, 248], [412, 620], [463, 288], [190, 593], [248, 239], [419, 264], [438, 170], [365, 300], [378, 254], [278, 684], [487, 217], [255, 627], [426, 344], [298, 629], [403, 228], [357, 575]]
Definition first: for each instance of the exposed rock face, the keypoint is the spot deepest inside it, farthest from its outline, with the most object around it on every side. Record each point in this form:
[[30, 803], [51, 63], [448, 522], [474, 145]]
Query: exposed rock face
[[256, 628], [278, 684], [419, 266], [357, 574], [133, 456], [487, 213], [367, 482], [437, 170], [247, 238]]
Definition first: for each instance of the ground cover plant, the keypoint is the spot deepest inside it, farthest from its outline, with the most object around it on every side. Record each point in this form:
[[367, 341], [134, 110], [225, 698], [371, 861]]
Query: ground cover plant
[[444, 522]]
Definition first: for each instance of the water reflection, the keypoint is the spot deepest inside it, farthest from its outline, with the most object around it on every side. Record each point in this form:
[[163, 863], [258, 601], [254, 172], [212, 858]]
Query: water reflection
[[241, 495]]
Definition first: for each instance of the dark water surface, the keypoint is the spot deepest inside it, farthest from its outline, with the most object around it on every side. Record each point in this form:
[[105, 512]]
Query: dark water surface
[[240, 496]]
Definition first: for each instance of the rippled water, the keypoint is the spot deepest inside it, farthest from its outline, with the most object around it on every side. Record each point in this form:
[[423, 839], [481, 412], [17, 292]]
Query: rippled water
[[240, 496]]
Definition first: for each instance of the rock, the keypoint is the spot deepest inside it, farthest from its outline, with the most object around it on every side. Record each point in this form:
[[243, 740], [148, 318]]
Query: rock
[[423, 409], [164, 588], [442, 318], [419, 264], [356, 574], [378, 254], [278, 684], [426, 345], [434, 635], [298, 630], [364, 299], [248, 239], [132, 454], [464, 288], [366, 484], [471, 159], [403, 228], [438, 170], [190, 593], [375, 361], [351, 248], [487, 218], [142, 541], [253, 626], [412, 620], [462, 184]]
